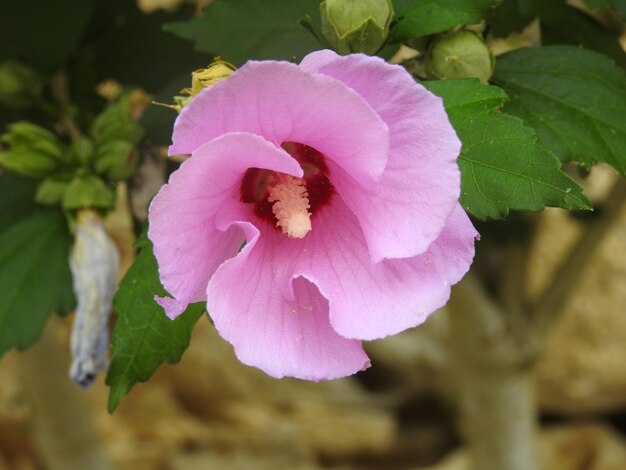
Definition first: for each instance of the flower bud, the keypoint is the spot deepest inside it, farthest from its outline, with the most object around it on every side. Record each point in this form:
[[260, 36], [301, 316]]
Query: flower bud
[[356, 25], [461, 55], [200, 79], [18, 85], [32, 150], [87, 191], [82, 151], [116, 160], [118, 120]]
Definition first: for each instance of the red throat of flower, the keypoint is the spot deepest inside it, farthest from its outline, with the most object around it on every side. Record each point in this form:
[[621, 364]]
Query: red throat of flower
[[286, 201]]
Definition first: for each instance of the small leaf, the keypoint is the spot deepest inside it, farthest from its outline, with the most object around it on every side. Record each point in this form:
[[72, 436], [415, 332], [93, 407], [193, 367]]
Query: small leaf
[[421, 17], [144, 337], [574, 98], [35, 278], [502, 167], [238, 30]]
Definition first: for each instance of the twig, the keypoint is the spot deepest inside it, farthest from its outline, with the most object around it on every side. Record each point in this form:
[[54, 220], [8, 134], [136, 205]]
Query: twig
[[60, 91], [547, 309]]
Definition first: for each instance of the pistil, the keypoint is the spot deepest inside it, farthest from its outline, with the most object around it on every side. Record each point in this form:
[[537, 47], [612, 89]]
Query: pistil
[[291, 206]]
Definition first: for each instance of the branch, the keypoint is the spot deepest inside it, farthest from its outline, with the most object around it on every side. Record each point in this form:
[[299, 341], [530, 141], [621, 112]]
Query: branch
[[548, 308], [60, 91]]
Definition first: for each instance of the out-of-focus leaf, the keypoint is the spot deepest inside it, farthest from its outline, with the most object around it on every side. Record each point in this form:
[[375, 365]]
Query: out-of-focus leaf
[[144, 337], [43, 32], [574, 98], [502, 167], [238, 30], [18, 199]]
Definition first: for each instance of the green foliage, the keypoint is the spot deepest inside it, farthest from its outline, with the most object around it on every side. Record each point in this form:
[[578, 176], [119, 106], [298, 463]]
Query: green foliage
[[560, 24], [238, 30], [35, 278], [502, 166], [45, 33], [144, 337], [574, 98], [88, 191], [421, 17], [51, 191]]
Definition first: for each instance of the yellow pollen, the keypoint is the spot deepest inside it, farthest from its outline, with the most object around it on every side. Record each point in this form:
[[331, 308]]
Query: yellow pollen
[[291, 204]]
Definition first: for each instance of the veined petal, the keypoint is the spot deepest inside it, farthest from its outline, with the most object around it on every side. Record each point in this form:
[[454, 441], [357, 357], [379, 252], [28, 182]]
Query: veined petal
[[406, 209], [284, 103], [284, 332], [372, 300], [191, 238]]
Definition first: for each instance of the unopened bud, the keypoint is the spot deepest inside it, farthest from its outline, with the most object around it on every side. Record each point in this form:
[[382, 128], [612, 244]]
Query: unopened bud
[[356, 25], [200, 79], [82, 151], [461, 55], [116, 160], [18, 85], [31, 150], [119, 120]]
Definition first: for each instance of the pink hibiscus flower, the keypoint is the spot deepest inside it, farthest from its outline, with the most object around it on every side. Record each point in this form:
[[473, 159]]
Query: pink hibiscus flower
[[340, 176]]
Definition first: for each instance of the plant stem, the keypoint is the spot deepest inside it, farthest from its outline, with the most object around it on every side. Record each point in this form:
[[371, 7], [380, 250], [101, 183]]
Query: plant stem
[[491, 370], [60, 91]]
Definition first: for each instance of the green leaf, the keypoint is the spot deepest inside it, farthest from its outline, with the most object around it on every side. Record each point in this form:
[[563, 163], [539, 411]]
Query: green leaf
[[144, 337], [238, 30], [35, 278], [44, 32], [564, 24], [18, 199], [421, 17], [502, 167], [574, 98]]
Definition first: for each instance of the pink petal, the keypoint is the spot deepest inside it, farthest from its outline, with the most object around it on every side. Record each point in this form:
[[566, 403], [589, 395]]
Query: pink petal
[[372, 300], [191, 238], [407, 208], [282, 331], [283, 103]]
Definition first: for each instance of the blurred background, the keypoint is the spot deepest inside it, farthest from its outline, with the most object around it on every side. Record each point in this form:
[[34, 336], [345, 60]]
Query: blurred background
[[211, 412]]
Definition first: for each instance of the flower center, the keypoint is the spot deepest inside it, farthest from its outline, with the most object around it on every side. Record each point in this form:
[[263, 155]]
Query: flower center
[[289, 202]]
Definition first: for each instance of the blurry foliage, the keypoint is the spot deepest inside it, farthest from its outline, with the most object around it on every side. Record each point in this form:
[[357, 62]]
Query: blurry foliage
[[238, 30]]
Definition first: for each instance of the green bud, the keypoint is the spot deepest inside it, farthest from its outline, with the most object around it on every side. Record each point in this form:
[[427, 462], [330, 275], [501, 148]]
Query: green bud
[[26, 135], [18, 85], [82, 151], [27, 162], [32, 150], [461, 55], [116, 123], [116, 160], [356, 25], [52, 190], [88, 191]]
